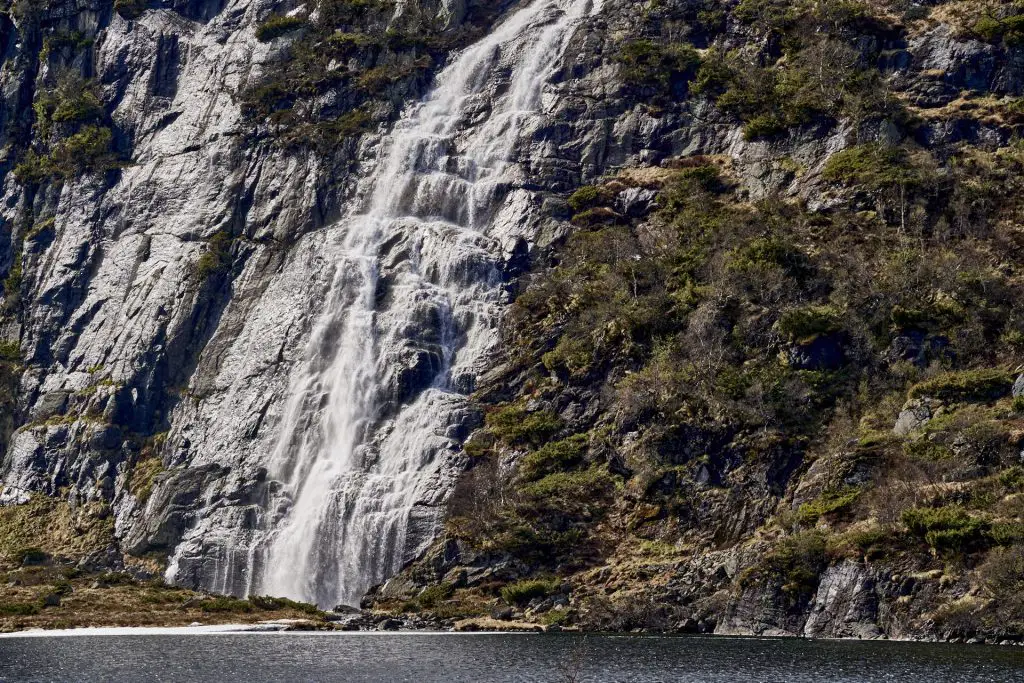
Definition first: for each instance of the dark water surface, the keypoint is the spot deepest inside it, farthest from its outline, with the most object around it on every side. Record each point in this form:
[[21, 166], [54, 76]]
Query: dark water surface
[[425, 658]]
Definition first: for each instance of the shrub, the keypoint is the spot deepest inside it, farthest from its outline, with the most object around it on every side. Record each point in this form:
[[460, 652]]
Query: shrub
[[143, 477], [225, 604], [431, 596], [828, 503], [797, 561], [59, 39], [568, 488], [808, 322], [769, 252], [12, 283], [345, 42], [1007, 533], [1009, 30], [276, 26], [516, 427], [573, 353], [20, 609], [90, 149], [586, 197], [867, 543], [1012, 478], [10, 351], [1002, 573], [965, 386], [872, 165], [713, 77], [947, 529], [651, 64], [75, 100], [553, 457], [217, 257], [379, 77], [774, 15], [764, 126], [522, 592]]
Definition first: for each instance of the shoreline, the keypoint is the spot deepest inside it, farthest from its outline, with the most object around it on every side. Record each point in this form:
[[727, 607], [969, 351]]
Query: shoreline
[[297, 627]]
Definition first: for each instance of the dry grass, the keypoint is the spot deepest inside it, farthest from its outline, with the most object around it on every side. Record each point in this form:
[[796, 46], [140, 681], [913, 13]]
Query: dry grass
[[117, 600]]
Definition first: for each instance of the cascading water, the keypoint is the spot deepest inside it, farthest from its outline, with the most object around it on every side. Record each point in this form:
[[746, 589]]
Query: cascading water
[[415, 301]]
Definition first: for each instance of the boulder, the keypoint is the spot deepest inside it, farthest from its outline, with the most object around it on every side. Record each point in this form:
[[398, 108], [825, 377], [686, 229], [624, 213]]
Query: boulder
[[915, 415]]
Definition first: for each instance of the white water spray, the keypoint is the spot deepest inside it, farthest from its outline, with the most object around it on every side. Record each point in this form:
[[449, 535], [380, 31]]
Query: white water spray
[[415, 303]]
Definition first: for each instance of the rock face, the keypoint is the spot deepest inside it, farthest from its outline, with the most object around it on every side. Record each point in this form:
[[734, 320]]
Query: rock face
[[176, 307], [135, 342]]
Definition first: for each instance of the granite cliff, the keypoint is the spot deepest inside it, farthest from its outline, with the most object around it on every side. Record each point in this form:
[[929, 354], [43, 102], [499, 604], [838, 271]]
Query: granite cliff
[[680, 315]]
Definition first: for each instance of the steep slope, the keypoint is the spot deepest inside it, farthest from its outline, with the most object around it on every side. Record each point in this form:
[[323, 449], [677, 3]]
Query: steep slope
[[768, 386], [793, 218]]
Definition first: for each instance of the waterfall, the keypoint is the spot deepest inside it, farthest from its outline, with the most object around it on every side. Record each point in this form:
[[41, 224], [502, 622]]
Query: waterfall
[[374, 410]]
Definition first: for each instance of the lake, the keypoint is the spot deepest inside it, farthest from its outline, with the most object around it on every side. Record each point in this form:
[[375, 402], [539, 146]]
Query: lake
[[426, 657]]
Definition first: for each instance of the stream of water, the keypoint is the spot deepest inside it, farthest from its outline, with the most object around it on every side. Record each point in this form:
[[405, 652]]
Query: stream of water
[[363, 461]]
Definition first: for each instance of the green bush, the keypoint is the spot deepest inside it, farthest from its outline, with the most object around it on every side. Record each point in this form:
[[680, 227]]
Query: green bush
[[873, 166], [1007, 533], [586, 197], [764, 126], [516, 426], [10, 351], [74, 100], [225, 604], [653, 64], [18, 609], [217, 257], [59, 39], [344, 42], [806, 323], [563, 490], [142, 478], [1012, 478], [90, 149], [797, 561], [553, 457], [1009, 30], [522, 592], [276, 26], [947, 529], [965, 386], [12, 283], [829, 502], [769, 252], [431, 596], [775, 15], [714, 75]]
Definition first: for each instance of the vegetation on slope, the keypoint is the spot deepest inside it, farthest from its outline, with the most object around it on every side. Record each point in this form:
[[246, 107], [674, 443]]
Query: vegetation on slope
[[54, 573], [723, 377], [349, 50]]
